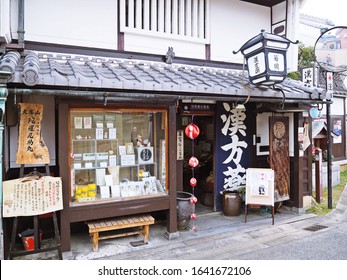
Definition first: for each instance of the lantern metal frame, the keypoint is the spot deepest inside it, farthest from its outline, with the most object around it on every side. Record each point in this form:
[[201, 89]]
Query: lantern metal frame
[[266, 57]]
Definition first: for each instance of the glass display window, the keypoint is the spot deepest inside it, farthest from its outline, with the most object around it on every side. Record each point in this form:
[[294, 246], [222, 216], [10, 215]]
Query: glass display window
[[116, 154]]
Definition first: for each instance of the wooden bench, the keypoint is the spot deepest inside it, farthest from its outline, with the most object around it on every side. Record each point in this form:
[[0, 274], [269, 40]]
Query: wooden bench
[[141, 221]]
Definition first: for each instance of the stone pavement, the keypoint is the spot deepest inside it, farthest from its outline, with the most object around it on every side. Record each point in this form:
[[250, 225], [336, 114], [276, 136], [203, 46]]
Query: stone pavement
[[217, 237], [220, 241]]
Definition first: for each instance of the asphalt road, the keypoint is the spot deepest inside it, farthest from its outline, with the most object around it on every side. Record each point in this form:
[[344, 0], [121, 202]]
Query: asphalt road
[[325, 244]]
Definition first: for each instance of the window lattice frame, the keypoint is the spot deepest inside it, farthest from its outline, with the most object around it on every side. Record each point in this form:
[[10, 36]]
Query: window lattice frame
[[175, 19]]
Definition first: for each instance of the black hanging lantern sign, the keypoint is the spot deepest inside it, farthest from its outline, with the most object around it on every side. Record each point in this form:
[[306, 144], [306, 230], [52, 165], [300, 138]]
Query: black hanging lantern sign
[[266, 58]]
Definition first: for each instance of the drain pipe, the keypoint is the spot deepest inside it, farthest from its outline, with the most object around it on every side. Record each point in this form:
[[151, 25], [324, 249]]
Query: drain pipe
[[20, 30], [3, 97]]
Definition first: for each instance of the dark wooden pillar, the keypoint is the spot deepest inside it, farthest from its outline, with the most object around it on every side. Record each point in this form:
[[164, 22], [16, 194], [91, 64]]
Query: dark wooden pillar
[[63, 154], [297, 184], [172, 170]]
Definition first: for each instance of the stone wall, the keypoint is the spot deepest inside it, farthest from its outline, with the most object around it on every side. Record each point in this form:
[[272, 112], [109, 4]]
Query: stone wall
[[336, 167]]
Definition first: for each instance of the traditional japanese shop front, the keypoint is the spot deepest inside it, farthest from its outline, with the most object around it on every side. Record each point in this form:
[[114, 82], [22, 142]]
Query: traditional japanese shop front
[[116, 125], [118, 161], [113, 159]]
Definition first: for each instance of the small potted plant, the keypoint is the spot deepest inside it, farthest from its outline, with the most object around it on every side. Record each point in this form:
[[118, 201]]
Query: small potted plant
[[242, 191]]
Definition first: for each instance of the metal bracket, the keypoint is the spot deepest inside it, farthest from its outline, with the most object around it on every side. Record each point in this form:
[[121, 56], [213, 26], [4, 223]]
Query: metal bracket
[[284, 96]]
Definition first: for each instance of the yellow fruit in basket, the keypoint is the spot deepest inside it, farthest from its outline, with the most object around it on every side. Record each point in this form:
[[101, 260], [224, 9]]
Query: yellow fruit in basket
[[91, 187], [77, 197], [78, 191], [84, 189], [91, 194]]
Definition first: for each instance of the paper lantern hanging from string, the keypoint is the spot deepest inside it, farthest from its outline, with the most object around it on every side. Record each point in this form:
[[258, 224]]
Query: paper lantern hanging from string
[[193, 200], [192, 131], [193, 162], [193, 182]]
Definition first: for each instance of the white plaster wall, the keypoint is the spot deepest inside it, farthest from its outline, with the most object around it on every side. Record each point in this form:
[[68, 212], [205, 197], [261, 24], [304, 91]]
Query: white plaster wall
[[5, 34], [336, 108], [229, 30], [156, 45], [233, 23], [308, 35], [84, 23], [263, 132], [89, 23], [292, 34]]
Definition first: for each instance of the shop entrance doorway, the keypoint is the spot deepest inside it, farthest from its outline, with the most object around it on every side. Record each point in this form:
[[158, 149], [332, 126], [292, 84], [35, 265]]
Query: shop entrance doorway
[[202, 148]]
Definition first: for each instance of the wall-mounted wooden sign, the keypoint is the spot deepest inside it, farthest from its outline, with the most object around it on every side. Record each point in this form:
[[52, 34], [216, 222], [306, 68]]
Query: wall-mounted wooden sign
[[279, 155], [180, 145], [196, 108], [31, 147]]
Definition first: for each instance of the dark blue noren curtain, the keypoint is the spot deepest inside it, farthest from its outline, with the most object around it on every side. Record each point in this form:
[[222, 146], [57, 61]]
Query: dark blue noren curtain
[[234, 142]]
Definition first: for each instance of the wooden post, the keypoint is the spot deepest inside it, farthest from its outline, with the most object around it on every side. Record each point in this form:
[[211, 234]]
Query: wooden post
[[319, 177]]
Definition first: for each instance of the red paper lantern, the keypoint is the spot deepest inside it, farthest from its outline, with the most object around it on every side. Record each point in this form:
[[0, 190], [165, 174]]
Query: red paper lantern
[[193, 162], [193, 182], [192, 131], [193, 216], [193, 200]]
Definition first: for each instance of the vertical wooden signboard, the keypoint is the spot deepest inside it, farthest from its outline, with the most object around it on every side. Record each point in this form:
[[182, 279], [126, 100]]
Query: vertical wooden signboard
[[279, 156], [31, 147]]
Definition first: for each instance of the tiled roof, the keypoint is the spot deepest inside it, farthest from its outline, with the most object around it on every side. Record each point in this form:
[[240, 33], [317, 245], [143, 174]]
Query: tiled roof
[[40, 70], [316, 22]]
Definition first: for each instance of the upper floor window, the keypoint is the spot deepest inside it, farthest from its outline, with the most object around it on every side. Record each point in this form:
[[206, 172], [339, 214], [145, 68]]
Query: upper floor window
[[178, 19]]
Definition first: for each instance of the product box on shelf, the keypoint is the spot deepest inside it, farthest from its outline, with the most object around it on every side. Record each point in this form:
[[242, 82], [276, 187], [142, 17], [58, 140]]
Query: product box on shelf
[[77, 165], [100, 176], [102, 156], [145, 155], [88, 156], [115, 191], [112, 160], [85, 192], [104, 191], [127, 160]]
